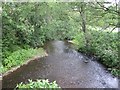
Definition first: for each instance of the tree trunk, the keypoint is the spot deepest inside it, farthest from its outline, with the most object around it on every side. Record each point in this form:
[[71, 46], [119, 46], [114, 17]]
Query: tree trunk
[[83, 17]]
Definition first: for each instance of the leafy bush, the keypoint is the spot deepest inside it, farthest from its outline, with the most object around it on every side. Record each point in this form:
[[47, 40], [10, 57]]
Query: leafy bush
[[79, 40], [105, 46], [39, 84], [19, 57]]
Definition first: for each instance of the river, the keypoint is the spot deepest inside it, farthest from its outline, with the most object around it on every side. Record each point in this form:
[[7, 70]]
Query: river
[[65, 65]]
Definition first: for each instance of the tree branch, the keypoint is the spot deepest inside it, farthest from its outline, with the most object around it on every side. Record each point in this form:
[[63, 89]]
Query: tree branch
[[113, 29], [108, 9], [105, 27]]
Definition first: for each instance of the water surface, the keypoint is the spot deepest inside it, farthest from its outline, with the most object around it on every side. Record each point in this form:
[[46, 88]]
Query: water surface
[[66, 66]]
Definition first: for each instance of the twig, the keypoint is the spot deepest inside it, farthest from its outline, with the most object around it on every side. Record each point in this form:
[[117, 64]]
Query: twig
[[113, 29]]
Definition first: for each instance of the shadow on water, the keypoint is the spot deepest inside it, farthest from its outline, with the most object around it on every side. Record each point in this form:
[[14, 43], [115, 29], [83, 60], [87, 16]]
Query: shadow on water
[[66, 66]]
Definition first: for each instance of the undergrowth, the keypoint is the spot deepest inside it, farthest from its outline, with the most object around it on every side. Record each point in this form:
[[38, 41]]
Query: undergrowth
[[104, 45]]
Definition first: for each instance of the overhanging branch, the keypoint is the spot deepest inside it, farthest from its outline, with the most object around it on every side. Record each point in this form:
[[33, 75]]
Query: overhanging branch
[[108, 9]]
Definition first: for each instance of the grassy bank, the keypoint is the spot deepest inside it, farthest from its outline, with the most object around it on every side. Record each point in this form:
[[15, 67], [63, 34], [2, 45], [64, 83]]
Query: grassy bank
[[104, 45], [19, 57]]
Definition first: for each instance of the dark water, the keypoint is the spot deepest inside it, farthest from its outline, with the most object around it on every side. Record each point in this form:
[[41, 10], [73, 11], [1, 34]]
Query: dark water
[[66, 66]]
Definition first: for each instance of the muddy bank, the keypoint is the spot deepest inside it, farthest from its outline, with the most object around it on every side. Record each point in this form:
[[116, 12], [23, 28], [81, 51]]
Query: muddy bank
[[25, 63], [66, 66]]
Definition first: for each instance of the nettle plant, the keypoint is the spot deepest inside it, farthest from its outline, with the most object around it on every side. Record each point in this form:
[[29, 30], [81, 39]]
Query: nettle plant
[[39, 84]]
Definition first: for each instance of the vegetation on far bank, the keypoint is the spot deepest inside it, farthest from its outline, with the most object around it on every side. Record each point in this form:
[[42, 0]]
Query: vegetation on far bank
[[104, 46]]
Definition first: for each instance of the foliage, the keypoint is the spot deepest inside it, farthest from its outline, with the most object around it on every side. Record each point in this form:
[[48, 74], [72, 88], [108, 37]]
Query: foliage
[[29, 25], [79, 40], [19, 57], [104, 45], [39, 84]]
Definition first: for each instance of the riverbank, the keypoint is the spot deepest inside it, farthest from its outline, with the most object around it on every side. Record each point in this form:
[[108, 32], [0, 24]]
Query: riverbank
[[102, 45], [24, 59], [41, 52]]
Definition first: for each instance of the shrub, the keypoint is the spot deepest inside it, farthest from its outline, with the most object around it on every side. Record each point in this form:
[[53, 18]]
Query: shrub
[[79, 40], [39, 84]]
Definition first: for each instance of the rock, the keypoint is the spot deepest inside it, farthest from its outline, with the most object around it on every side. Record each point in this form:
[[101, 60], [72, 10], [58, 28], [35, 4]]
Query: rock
[[86, 61], [70, 41], [106, 71]]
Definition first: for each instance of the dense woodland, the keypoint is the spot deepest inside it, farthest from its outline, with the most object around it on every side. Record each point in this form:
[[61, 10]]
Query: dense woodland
[[89, 25]]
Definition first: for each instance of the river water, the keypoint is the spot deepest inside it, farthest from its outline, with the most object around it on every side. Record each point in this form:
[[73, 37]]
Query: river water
[[66, 66]]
